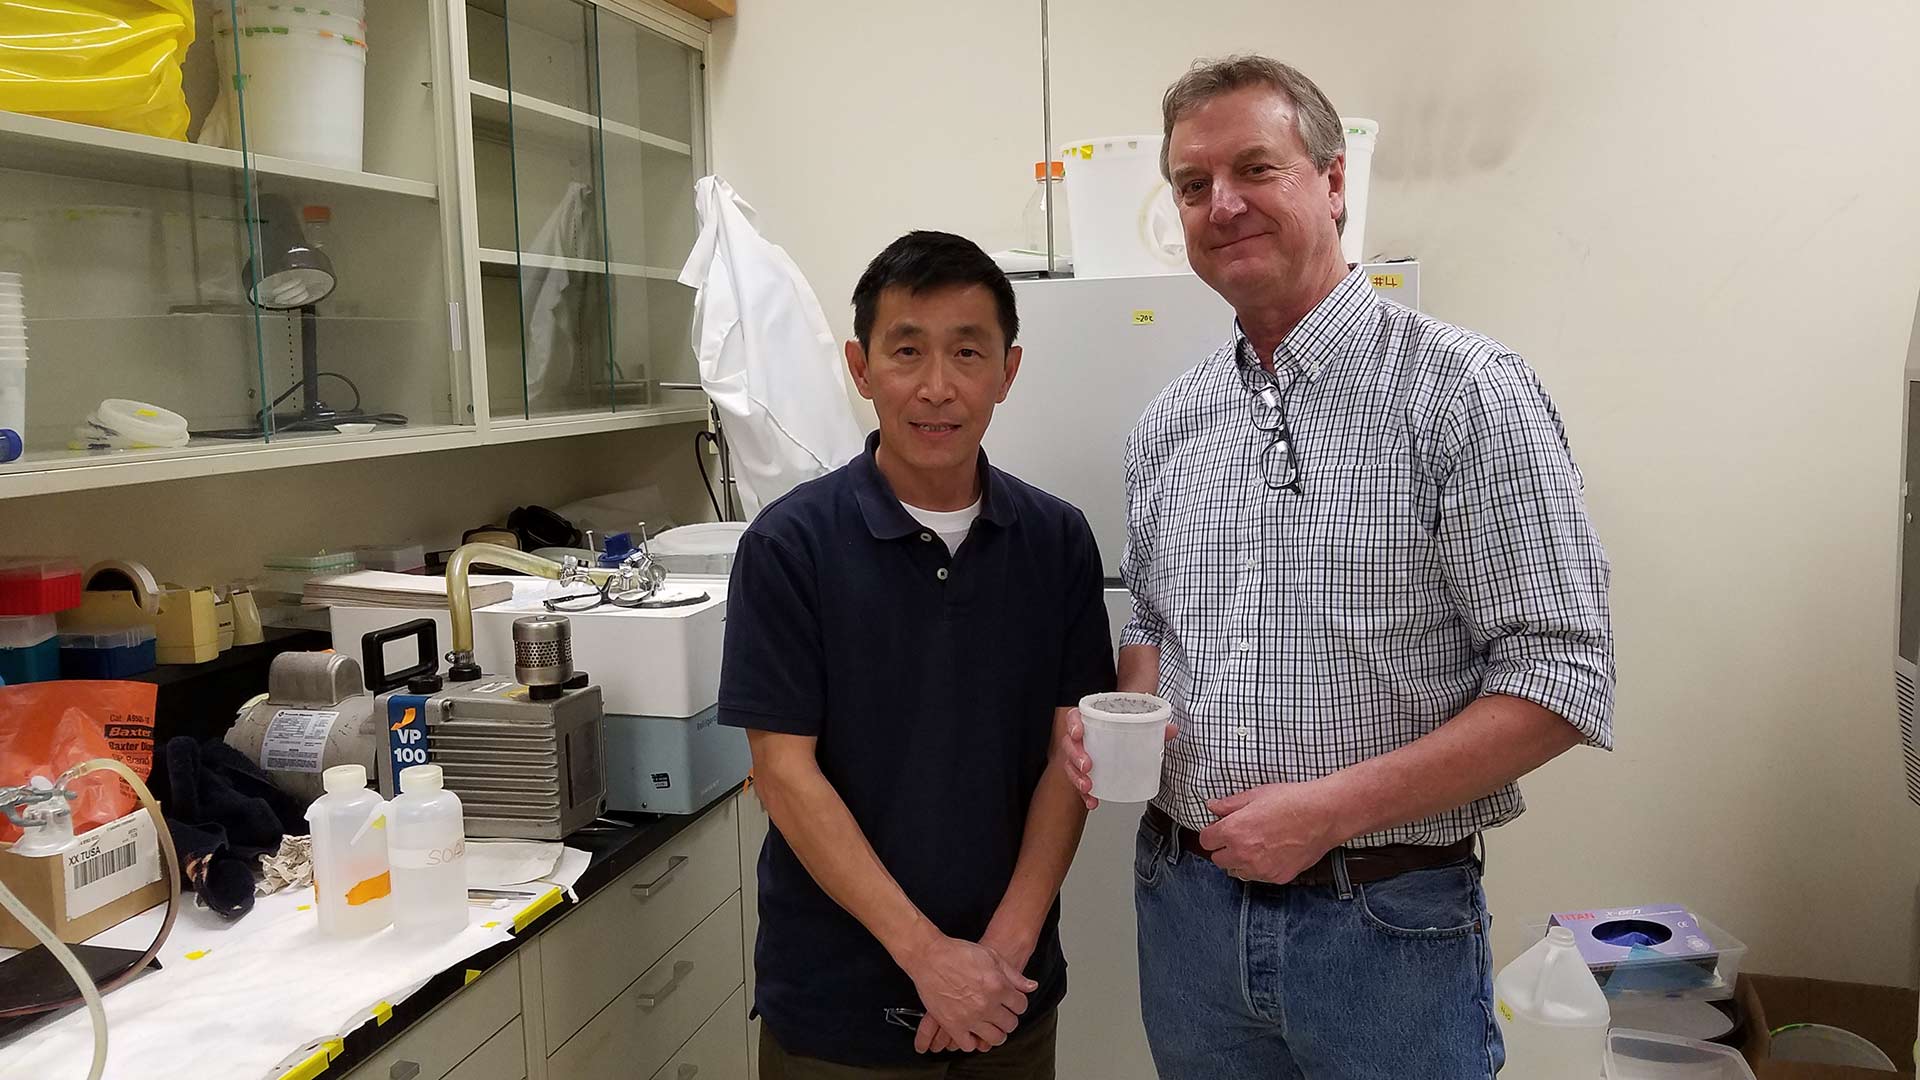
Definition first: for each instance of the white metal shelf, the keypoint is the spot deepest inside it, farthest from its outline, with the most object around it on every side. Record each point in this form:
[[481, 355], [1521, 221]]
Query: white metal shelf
[[44, 472], [531, 116], [511, 430], [499, 257], [37, 144]]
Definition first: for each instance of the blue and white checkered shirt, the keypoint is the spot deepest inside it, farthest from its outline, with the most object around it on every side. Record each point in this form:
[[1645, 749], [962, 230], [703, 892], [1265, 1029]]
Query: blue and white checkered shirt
[[1435, 549]]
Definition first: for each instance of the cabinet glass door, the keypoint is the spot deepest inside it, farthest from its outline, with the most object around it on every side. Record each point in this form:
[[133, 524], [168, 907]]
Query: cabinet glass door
[[539, 164], [350, 287], [121, 256], [655, 147]]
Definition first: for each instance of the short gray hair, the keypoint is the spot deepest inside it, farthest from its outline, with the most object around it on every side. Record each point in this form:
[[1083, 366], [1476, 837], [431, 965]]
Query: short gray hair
[[1318, 122]]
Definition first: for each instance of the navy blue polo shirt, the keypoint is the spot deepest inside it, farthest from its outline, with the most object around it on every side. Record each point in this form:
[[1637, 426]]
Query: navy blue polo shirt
[[930, 681]]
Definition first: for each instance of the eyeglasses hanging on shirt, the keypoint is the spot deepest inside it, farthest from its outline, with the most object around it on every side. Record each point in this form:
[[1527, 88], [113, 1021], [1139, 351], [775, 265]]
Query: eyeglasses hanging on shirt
[[1279, 463]]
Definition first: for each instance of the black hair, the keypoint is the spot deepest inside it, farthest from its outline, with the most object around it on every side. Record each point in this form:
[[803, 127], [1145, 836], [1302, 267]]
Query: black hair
[[922, 261]]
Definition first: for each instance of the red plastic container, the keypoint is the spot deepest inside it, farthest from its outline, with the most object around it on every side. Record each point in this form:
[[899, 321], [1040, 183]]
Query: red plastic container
[[38, 586]]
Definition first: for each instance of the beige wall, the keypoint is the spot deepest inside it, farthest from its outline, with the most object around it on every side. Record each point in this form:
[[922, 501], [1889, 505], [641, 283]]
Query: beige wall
[[1696, 220], [214, 529]]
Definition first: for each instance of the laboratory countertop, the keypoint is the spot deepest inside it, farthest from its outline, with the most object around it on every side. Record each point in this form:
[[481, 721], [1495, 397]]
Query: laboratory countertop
[[614, 844]]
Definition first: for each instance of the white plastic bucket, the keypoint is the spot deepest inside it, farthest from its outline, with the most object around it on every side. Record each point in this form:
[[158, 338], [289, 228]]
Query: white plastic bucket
[[1361, 136], [305, 89], [1120, 211], [1126, 738]]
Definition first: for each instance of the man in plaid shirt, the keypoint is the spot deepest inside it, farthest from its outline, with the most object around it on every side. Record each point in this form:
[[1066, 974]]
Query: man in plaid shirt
[[1364, 575]]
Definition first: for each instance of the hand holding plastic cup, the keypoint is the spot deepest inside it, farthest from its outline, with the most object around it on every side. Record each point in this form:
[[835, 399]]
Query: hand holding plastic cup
[[1126, 738]]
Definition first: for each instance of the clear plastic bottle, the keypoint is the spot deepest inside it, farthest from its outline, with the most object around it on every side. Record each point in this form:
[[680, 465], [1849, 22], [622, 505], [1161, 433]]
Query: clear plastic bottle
[[351, 884], [317, 222], [1034, 222], [427, 844], [1552, 1013]]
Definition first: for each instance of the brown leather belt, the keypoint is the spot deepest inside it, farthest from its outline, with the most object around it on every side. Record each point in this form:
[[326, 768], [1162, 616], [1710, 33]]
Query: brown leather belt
[[1364, 865]]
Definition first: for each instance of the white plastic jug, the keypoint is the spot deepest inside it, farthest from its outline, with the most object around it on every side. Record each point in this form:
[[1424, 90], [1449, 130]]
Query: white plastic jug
[[351, 885], [1552, 1013], [427, 844]]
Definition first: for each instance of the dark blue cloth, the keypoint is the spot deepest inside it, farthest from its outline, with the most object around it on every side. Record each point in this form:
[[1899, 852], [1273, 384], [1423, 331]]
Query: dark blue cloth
[[930, 681]]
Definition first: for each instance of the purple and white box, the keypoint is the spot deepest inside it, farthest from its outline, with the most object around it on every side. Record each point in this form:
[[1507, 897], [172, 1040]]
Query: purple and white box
[[1662, 948]]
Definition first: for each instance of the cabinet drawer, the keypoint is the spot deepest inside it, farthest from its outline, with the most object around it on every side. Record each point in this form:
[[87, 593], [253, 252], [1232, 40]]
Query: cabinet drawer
[[445, 1037], [718, 1051], [654, 1016], [503, 1057], [589, 956]]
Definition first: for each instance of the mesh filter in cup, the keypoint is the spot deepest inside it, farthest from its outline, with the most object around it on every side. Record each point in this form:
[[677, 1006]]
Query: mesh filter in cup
[[1126, 739]]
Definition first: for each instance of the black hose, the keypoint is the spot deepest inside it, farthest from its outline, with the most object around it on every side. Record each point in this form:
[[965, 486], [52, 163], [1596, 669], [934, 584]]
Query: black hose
[[699, 458]]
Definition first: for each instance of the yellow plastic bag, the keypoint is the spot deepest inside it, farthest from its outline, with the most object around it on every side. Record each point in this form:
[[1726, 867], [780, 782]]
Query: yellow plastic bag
[[109, 63]]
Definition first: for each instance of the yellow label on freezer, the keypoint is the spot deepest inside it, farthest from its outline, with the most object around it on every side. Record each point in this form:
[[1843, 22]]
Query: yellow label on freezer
[[1504, 1011], [1143, 317], [1388, 281]]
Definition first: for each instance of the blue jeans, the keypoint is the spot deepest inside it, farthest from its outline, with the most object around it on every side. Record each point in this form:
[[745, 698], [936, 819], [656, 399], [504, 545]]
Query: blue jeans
[[1387, 981]]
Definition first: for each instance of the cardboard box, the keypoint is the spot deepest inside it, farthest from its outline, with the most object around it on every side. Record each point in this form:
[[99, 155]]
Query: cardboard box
[[1886, 1015], [111, 875]]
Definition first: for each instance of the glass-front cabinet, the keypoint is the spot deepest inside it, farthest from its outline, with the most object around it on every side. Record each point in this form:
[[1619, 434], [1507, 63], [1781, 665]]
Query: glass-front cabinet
[[588, 133], [289, 238]]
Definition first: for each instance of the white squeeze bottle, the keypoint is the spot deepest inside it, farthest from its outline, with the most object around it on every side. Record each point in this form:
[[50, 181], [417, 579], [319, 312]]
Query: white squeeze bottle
[[351, 885], [427, 843], [1552, 1013]]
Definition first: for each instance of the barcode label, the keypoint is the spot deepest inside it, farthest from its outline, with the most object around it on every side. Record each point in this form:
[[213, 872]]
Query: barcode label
[[110, 862], [102, 864]]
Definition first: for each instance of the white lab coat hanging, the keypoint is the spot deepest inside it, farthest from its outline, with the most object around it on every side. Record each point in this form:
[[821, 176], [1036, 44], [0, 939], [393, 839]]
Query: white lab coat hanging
[[768, 358]]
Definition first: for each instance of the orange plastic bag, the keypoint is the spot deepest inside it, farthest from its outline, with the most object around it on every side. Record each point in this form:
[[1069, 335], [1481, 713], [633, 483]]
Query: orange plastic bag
[[48, 728]]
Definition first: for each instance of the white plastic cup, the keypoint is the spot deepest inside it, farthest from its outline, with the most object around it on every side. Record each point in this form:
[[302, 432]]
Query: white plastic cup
[[1126, 739], [1361, 136], [13, 397]]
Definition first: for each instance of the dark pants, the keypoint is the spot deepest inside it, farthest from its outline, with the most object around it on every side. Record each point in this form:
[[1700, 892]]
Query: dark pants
[[1026, 1055]]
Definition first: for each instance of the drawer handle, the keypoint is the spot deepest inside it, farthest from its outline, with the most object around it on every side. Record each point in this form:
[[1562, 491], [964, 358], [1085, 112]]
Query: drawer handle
[[687, 1072], [645, 892], [681, 969], [404, 1070]]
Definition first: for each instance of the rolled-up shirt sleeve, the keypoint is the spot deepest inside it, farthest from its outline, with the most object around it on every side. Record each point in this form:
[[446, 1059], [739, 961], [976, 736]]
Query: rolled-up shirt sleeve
[[1519, 551], [1145, 626]]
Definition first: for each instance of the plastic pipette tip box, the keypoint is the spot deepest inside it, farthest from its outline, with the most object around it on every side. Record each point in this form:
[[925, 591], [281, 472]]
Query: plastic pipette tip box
[[38, 586], [29, 649], [108, 653]]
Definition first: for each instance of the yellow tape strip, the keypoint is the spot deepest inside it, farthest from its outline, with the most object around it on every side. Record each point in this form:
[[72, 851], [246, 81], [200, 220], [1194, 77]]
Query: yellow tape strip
[[536, 909], [317, 1063], [472, 974], [382, 1013]]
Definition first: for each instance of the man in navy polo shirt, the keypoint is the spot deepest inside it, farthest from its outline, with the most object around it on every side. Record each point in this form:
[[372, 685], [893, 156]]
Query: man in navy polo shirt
[[904, 637]]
